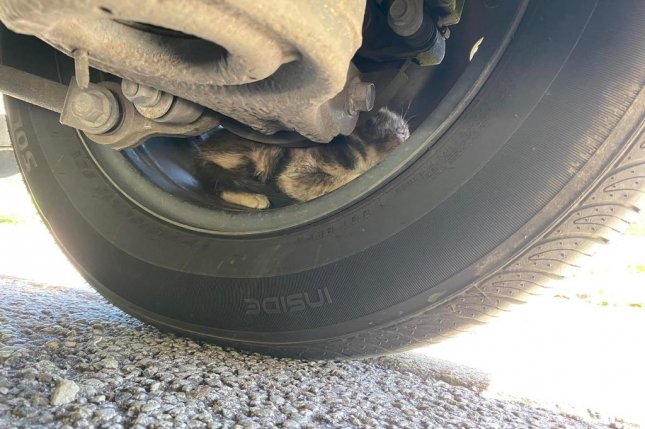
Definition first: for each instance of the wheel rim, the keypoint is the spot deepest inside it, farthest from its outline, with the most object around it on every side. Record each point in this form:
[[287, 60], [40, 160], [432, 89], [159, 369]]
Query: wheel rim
[[158, 177]]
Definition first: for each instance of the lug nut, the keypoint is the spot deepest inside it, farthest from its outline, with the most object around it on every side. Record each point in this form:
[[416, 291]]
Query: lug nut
[[361, 96]]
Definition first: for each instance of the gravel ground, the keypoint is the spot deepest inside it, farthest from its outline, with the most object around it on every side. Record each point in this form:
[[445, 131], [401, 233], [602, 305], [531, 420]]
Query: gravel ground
[[69, 359]]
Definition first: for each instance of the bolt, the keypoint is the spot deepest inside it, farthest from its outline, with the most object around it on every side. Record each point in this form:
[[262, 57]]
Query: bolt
[[398, 9], [89, 106], [129, 88], [405, 16], [140, 95], [361, 97], [93, 110]]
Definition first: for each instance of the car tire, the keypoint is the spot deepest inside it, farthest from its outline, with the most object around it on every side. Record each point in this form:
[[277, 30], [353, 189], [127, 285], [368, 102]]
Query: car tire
[[546, 162]]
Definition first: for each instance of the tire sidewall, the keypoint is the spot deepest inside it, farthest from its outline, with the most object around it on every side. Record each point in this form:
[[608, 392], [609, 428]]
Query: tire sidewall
[[397, 252]]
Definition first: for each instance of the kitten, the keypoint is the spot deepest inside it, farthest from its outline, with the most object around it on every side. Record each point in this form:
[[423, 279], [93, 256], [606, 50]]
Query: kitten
[[243, 172]]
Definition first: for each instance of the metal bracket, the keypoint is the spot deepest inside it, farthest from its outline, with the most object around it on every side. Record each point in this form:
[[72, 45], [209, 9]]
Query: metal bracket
[[134, 128], [102, 111]]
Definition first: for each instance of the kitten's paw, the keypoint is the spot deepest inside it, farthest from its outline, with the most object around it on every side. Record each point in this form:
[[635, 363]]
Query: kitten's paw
[[252, 201], [260, 202]]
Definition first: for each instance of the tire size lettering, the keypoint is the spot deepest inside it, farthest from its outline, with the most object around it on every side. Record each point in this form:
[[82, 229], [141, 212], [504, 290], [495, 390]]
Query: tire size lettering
[[25, 157]]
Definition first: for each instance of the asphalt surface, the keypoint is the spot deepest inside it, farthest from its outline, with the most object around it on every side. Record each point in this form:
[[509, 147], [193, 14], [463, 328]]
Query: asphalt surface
[[70, 359]]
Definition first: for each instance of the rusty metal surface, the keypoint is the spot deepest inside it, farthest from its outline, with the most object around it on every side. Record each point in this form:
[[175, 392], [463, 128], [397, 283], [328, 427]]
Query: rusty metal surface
[[134, 128], [159, 105], [102, 111], [405, 31], [93, 109], [274, 65], [32, 88]]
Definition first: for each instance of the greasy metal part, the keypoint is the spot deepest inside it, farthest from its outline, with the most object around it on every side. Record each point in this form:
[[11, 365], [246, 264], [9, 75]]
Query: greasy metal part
[[159, 105], [447, 12], [81, 68], [435, 53], [94, 109], [182, 112], [155, 109], [279, 65], [283, 138], [361, 97], [148, 101], [140, 95], [32, 89], [102, 108], [405, 16], [426, 46], [134, 128]]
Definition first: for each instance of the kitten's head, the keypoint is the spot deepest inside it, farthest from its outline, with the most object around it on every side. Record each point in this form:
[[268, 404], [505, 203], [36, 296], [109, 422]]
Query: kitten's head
[[385, 128]]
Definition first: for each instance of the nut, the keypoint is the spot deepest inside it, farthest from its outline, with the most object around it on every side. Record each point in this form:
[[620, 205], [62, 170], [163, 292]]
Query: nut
[[140, 95], [405, 16], [93, 110], [361, 96], [92, 107], [88, 106]]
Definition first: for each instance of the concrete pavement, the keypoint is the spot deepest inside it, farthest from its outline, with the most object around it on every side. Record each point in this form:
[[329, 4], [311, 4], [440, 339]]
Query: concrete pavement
[[69, 359]]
